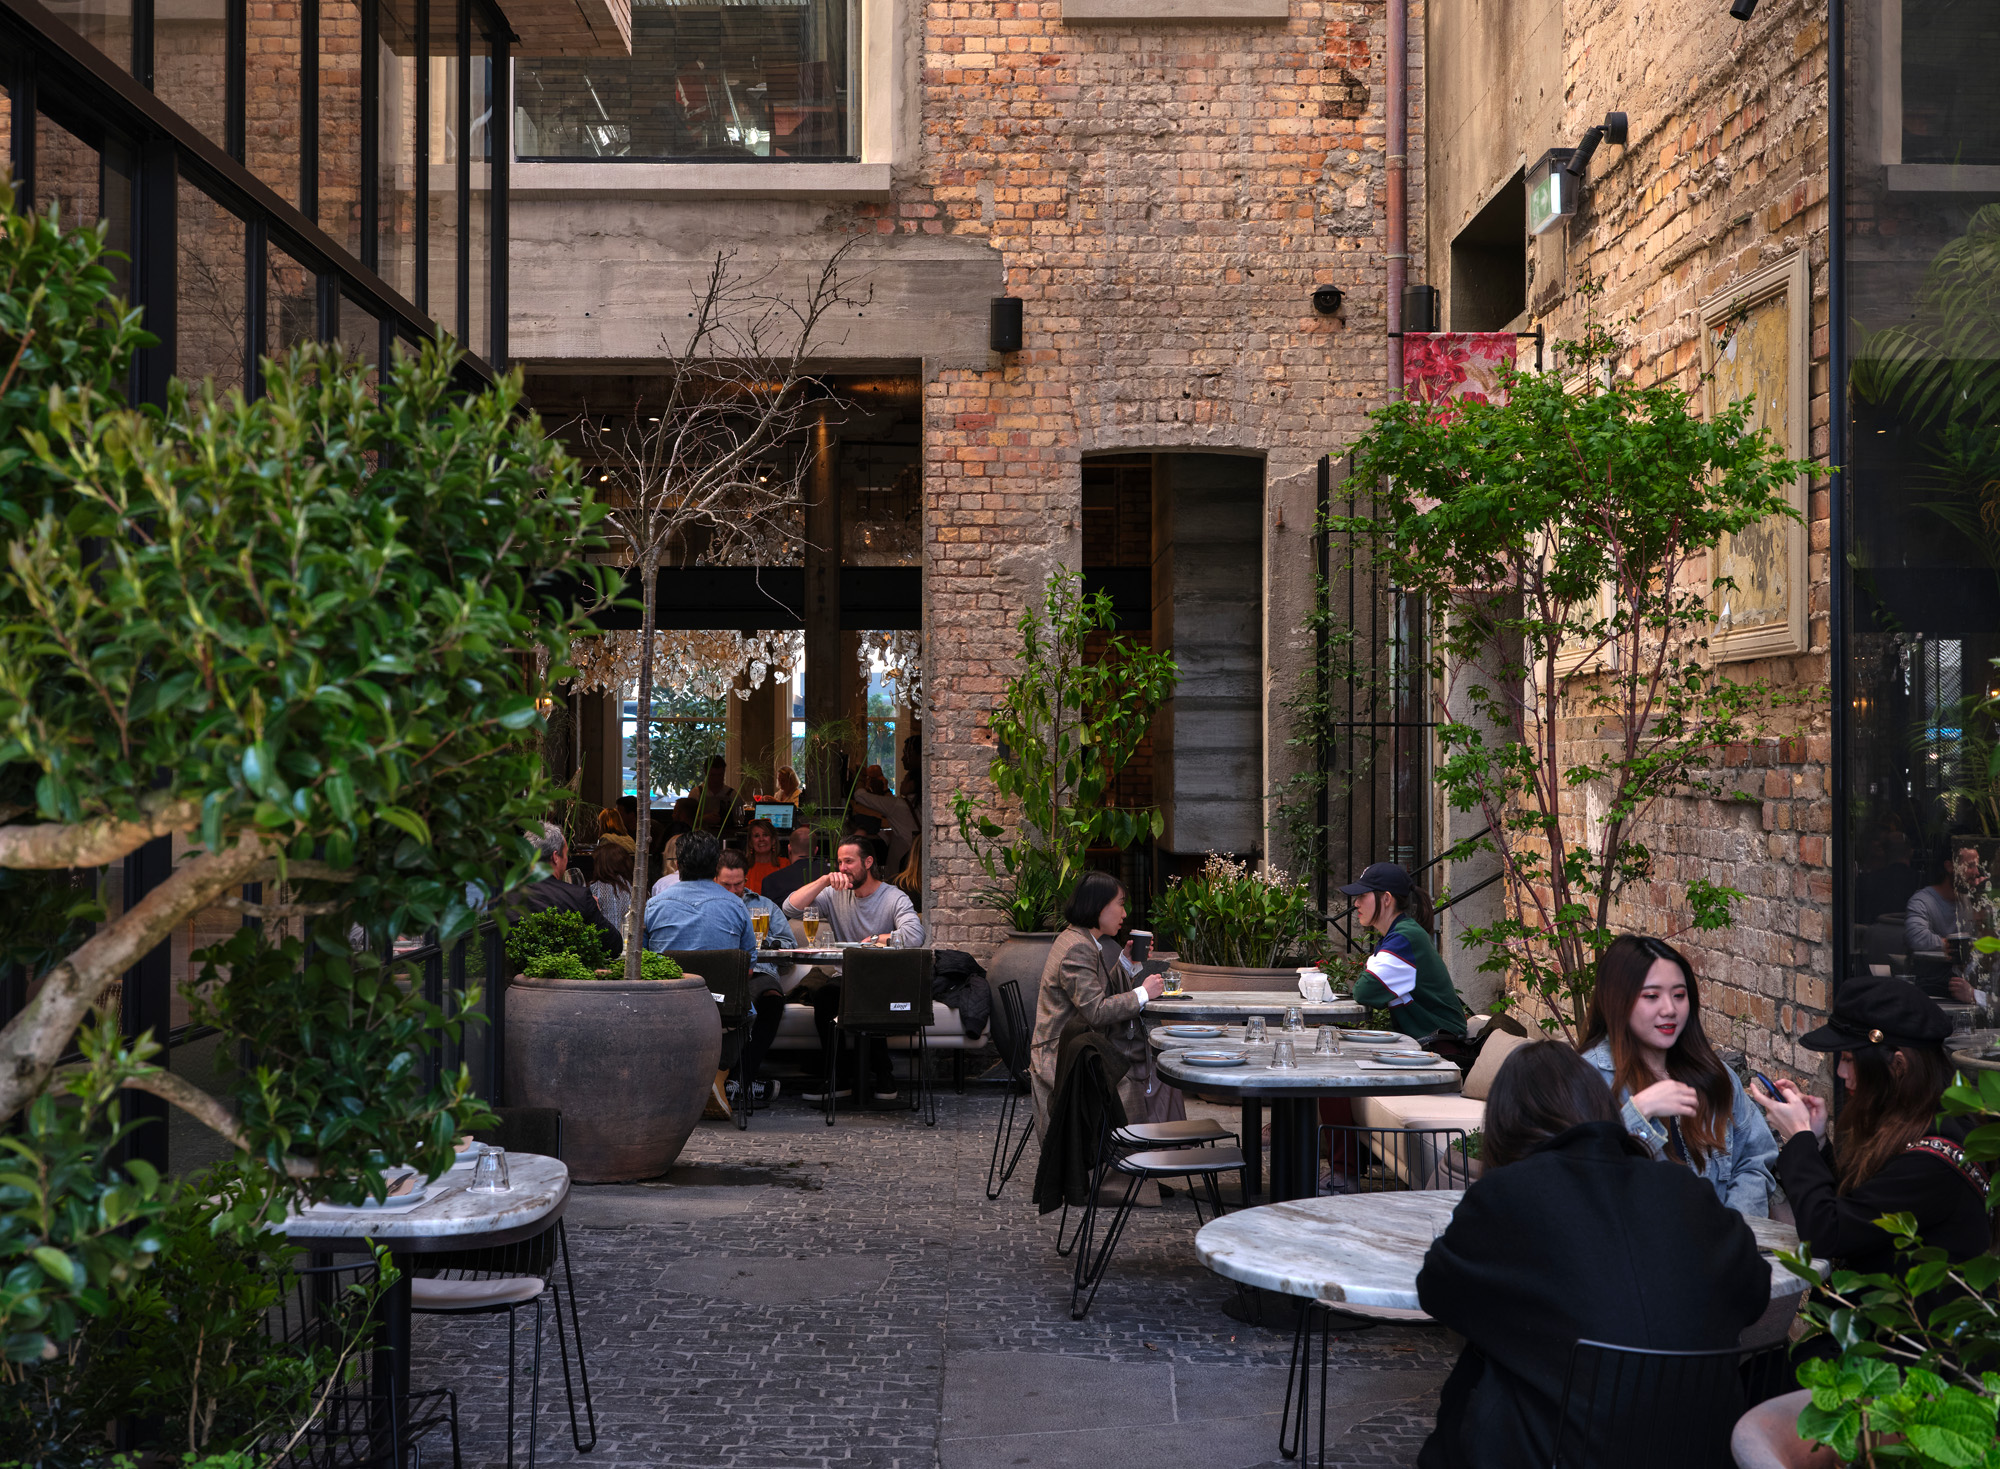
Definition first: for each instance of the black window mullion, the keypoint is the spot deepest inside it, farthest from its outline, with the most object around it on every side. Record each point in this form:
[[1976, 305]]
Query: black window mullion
[[256, 240], [420, 182], [327, 308], [235, 62], [500, 93], [464, 121], [21, 135], [142, 43], [154, 252], [371, 134], [309, 109]]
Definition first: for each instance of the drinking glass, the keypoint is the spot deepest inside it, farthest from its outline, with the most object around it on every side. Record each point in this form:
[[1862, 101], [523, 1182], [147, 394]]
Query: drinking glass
[[1295, 1018], [761, 922], [1328, 1043], [1253, 1030], [811, 925], [489, 1172], [1173, 982], [1284, 1056]]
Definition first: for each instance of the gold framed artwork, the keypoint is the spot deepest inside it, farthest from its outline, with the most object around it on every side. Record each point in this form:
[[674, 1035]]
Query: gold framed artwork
[[1755, 344]]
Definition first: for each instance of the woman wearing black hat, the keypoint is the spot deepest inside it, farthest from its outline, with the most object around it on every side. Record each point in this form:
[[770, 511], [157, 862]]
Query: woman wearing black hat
[[1891, 1152], [1404, 974]]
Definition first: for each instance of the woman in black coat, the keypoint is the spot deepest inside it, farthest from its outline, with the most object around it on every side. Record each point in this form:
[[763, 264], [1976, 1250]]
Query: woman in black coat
[[1573, 1233]]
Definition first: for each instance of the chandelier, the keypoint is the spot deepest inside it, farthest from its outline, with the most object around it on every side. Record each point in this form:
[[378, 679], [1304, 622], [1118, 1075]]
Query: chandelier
[[701, 664], [901, 655]]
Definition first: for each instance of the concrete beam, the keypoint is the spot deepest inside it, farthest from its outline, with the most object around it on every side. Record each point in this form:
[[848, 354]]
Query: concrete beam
[[571, 27]]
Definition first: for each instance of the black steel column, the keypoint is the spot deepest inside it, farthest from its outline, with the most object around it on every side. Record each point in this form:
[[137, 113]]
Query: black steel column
[[256, 242], [371, 135], [501, 143], [21, 133], [463, 122], [154, 246], [309, 109], [235, 62]]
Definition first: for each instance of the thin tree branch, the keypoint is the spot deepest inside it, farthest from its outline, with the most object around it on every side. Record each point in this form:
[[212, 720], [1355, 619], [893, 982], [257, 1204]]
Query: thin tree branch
[[54, 844], [210, 1112]]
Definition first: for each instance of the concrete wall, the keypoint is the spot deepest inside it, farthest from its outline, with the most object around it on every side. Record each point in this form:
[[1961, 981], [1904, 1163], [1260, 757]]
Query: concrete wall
[[1208, 755]]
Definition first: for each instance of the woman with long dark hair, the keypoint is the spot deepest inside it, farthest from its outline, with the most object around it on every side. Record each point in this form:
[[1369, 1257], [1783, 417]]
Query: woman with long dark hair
[[1644, 1036], [1891, 1153], [1571, 1233], [1085, 984]]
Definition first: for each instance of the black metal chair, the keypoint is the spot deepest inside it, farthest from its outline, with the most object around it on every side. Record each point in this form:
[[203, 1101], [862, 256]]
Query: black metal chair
[[327, 1310], [884, 992], [1203, 1164], [1013, 1046], [1628, 1408], [1391, 1159], [501, 1279], [727, 972]]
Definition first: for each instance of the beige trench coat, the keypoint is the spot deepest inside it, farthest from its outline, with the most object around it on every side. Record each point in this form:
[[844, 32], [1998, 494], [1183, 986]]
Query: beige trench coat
[[1083, 987]]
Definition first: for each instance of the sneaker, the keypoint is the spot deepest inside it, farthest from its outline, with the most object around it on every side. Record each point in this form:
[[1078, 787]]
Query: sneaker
[[889, 1096], [730, 1089], [763, 1093], [820, 1096]]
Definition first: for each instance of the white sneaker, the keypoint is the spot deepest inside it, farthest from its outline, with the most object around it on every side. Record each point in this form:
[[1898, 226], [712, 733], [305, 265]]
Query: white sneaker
[[888, 1096], [820, 1096], [763, 1093]]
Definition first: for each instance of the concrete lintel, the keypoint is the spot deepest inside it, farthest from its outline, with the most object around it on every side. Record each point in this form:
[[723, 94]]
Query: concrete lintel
[[571, 27], [1943, 178], [700, 180], [1128, 11]]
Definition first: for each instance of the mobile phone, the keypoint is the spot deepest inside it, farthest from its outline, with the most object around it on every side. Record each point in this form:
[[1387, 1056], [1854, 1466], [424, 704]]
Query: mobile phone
[[1770, 1086]]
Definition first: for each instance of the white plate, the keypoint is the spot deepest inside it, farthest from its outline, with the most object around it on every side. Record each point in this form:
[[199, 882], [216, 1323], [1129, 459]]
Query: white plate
[[1372, 1037]]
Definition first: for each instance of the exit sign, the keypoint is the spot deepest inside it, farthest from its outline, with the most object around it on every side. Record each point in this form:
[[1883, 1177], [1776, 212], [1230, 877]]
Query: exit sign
[[1551, 192]]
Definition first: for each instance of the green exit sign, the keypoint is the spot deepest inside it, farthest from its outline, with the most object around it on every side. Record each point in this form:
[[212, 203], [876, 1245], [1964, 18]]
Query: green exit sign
[[1551, 192]]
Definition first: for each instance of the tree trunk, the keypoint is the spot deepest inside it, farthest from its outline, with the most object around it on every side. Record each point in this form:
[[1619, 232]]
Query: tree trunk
[[642, 752]]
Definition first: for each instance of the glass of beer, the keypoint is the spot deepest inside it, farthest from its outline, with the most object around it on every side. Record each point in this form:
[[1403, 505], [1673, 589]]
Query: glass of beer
[[761, 921], [811, 923]]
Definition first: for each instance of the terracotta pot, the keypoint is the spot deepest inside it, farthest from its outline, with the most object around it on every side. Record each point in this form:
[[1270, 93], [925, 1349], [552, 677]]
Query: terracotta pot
[[629, 1064], [1196, 977], [1021, 958]]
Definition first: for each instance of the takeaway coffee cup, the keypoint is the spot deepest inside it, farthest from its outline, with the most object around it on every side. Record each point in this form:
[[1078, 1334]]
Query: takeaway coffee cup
[[1142, 945]]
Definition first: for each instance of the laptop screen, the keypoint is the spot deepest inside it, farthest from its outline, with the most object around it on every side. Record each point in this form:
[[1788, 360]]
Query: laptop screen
[[778, 813]]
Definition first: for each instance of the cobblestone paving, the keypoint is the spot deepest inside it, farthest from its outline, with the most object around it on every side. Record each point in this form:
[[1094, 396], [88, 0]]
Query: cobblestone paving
[[804, 1297]]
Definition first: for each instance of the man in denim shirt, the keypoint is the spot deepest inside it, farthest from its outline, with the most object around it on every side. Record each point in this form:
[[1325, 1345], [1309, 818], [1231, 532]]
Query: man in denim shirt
[[768, 982], [698, 912]]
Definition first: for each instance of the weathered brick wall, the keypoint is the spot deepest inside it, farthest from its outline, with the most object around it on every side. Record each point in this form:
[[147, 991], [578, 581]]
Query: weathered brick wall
[[1726, 172], [1165, 197]]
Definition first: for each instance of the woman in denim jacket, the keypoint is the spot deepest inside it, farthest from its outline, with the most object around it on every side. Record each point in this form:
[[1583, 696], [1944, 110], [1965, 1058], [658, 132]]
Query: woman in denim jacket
[[1674, 1093]]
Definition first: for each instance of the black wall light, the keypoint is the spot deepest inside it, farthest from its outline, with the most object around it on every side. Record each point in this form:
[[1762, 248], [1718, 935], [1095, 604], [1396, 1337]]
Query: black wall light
[[1420, 308], [1003, 326], [1612, 130], [1326, 299], [1743, 9]]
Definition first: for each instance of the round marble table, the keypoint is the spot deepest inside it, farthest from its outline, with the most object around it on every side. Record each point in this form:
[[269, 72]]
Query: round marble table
[[451, 1217], [1293, 1097], [1366, 1249], [1208, 1007]]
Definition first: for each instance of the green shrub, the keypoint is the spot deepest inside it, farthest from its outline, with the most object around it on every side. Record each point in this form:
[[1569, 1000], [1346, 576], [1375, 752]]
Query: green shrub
[[1233, 916], [658, 966], [551, 932], [545, 965]]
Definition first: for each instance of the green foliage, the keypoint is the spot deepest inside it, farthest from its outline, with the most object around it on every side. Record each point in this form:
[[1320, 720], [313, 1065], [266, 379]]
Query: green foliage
[[687, 732], [1555, 539], [1066, 724], [77, 1228], [555, 931], [306, 615], [1919, 1352], [658, 967], [336, 1077], [1238, 917], [546, 965]]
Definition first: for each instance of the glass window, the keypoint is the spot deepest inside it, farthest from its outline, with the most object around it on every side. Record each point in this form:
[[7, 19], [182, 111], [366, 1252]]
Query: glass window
[[340, 122], [1922, 477], [360, 333], [106, 24], [209, 334], [441, 259], [67, 171], [271, 95], [396, 242], [291, 303], [190, 56], [769, 80]]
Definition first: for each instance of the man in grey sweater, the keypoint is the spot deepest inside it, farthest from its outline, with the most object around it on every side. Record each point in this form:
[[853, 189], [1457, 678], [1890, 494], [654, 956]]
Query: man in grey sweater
[[861, 909]]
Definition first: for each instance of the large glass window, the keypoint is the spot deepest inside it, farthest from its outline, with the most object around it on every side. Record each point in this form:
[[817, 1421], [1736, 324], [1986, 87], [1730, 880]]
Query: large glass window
[[398, 248], [1921, 296], [106, 24], [339, 132], [190, 63], [769, 80], [271, 95], [209, 324], [445, 124]]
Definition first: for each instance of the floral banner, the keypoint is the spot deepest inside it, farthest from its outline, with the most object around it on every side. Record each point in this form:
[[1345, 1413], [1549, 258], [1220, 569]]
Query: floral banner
[[1441, 367]]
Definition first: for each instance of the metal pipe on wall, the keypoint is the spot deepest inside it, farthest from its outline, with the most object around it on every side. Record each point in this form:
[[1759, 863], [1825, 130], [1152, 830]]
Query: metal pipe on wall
[[1396, 64]]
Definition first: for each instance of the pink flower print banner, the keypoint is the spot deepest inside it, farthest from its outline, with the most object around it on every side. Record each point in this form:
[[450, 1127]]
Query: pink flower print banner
[[1442, 367]]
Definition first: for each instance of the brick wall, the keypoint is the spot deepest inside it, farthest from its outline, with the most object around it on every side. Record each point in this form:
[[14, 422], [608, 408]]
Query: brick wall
[[1165, 197]]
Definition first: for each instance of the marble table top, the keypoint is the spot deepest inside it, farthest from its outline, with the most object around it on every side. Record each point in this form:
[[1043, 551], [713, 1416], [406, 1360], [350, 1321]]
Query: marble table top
[[1236, 1038], [1210, 1006], [1347, 1074], [1366, 1249], [450, 1213]]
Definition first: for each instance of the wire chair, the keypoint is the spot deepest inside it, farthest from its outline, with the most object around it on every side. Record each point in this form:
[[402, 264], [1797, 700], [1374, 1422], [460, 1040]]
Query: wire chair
[[1386, 1159], [1014, 1056], [1630, 1408]]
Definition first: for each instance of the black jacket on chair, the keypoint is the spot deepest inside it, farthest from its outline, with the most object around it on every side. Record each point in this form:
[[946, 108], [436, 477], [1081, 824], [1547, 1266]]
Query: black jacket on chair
[[1580, 1240], [1069, 1152]]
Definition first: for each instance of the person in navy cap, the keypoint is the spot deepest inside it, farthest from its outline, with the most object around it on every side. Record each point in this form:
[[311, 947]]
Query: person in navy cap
[[1404, 974], [1890, 1153]]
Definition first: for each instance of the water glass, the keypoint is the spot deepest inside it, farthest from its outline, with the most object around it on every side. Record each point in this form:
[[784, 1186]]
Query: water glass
[[1283, 1055], [1328, 1042], [1253, 1031], [1295, 1018], [489, 1172]]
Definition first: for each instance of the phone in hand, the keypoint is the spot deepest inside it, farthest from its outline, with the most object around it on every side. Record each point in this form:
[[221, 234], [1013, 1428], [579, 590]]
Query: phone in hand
[[1770, 1086]]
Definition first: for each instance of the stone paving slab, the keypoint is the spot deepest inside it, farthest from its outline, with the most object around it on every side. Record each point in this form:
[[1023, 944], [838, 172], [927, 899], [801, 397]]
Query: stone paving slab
[[805, 1297]]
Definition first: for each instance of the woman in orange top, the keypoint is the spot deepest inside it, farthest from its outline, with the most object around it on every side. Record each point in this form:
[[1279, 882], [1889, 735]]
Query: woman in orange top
[[765, 858]]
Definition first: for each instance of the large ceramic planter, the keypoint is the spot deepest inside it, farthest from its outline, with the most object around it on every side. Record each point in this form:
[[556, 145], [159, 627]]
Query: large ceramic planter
[[629, 1064], [1198, 977], [1022, 958], [1977, 1050]]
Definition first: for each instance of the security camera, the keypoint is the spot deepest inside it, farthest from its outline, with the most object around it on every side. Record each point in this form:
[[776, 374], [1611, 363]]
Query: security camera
[[1326, 299]]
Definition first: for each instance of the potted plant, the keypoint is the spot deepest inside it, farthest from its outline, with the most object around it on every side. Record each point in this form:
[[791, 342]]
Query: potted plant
[[1238, 927], [628, 1062], [1067, 721]]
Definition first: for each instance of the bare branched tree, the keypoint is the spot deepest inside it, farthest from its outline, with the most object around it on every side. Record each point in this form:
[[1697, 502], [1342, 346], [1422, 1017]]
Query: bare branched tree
[[707, 468]]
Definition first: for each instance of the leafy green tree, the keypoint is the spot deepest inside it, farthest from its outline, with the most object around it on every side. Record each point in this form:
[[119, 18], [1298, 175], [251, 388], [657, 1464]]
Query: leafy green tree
[[1066, 724], [1557, 539]]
